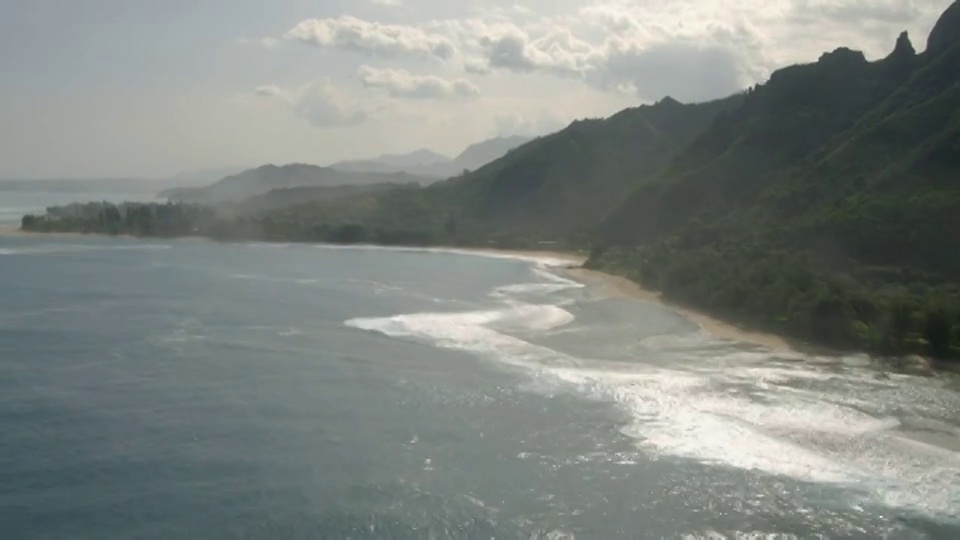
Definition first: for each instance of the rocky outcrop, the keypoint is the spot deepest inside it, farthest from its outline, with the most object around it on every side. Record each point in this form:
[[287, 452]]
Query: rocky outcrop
[[904, 48]]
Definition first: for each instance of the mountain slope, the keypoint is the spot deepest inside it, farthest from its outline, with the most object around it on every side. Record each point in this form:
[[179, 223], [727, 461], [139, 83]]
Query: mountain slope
[[279, 198], [565, 183], [826, 207], [259, 181], [419, 160], [433, 165], [479, 154], [555, 187]]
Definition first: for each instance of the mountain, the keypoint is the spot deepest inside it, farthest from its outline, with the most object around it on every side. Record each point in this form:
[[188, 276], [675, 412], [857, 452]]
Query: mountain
[[199, 177], [261, 180], [562, 184], [420, 160], [285, 197], [554, 187], [431, 164], [479, 154], [826, 207]]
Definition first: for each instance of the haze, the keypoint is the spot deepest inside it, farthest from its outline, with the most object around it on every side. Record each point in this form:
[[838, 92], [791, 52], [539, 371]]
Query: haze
[[140, 88]]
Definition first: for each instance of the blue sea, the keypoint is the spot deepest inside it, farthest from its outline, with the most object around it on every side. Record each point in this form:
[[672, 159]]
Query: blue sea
[[193, 389]]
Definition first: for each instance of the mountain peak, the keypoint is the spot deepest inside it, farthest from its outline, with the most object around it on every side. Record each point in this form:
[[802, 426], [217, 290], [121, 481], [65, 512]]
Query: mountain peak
[[668, 101], [423, 156], [903, 48], [843, 56], [947, 30], [481, 153]]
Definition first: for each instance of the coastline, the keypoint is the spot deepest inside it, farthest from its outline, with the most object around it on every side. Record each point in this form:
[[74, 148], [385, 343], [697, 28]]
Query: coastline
[[613, 285], [623, 287], [619, 286]]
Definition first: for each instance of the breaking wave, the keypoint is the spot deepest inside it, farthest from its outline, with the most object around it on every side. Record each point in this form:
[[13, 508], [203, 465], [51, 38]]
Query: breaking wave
[[704, 400]]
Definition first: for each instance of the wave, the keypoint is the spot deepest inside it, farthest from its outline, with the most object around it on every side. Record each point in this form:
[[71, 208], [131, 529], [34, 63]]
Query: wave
[[543, 259], [778, 413]]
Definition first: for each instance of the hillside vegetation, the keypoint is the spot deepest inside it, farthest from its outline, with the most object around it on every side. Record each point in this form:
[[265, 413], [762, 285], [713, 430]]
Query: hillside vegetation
[[552, 189], [827, 207]]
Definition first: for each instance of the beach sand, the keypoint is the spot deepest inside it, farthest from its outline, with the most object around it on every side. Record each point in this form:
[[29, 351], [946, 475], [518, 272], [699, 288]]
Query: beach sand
[[621, 286], [613, 285]]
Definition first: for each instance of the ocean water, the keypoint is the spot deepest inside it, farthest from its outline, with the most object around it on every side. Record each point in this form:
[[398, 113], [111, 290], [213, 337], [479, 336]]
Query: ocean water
[[192, 389]]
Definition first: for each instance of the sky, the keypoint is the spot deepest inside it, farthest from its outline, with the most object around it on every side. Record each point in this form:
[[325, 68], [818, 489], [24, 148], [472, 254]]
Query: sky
[[150, 88]]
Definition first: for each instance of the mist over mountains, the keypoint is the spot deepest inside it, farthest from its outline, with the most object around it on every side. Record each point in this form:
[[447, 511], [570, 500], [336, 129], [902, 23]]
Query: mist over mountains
[[431, 164]]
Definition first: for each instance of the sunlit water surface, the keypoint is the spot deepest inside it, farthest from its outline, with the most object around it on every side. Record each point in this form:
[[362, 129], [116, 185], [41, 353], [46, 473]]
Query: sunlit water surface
[[189, 389]]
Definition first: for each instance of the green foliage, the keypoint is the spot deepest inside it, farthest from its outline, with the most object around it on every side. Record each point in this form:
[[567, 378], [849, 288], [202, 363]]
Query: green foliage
[[137, 219], [825, 208]]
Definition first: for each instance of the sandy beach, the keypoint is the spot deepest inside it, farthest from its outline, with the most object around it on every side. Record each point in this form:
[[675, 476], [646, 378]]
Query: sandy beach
[[614, 285], [618, 285]]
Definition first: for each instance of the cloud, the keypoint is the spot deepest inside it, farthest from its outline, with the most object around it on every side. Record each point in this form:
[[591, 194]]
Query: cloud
[[691, 51], [350, 33], [685, 72], [402, 84], [319, 102], [558, 52], [388, 3], [515, 123], [855, 11], [606, 45]]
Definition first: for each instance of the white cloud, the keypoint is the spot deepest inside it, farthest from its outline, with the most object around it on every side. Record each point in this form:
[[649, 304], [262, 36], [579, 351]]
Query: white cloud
[[319, 102], [388, 3], [690, 50], [402, 84], [532, 124], [350, 33]]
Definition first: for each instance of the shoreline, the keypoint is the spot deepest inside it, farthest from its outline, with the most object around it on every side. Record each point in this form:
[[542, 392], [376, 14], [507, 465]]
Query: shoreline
[[615, 285], [624, 287]]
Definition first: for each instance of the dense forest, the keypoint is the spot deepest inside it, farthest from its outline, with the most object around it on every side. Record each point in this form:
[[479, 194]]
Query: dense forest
[[826, 208], [823, 204]]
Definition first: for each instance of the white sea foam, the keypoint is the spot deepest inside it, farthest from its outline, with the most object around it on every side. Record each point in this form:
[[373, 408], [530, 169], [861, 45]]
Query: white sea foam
[[749, 409], [544, 259]]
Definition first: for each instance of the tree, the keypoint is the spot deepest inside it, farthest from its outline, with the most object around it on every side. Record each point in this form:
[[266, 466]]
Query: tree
[[937, 330]]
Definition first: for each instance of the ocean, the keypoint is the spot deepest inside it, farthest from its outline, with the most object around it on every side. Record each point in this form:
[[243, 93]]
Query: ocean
[[193, 389]]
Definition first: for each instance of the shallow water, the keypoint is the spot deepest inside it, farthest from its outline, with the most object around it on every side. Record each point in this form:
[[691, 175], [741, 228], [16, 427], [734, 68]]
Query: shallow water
[[202, 390]]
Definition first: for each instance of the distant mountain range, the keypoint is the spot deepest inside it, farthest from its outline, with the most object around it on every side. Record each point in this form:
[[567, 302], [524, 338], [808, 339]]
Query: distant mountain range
[[421, 167], [431, 164], [261, 180]]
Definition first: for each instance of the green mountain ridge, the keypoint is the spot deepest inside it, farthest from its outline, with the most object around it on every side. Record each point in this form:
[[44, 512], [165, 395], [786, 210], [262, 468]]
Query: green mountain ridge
[[826, 208]]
